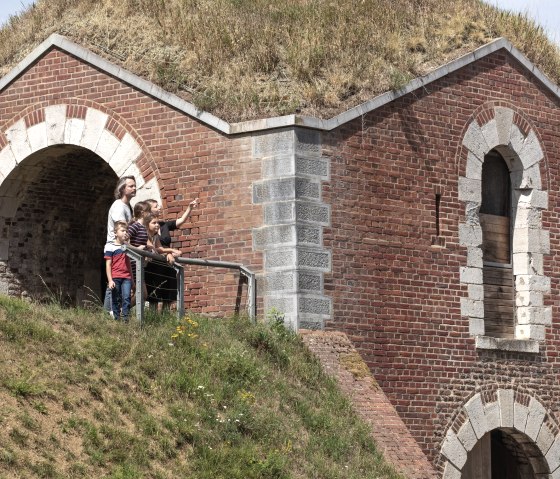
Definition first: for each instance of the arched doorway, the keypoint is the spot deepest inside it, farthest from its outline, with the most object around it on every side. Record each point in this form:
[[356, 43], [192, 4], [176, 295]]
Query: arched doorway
[[54, 233], [505, 454]]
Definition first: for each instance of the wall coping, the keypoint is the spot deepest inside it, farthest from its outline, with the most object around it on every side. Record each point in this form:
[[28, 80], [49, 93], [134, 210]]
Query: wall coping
[[56, 40]]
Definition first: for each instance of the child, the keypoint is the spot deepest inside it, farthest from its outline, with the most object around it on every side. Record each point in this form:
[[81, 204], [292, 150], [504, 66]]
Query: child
[[119, 272], [137, 230]]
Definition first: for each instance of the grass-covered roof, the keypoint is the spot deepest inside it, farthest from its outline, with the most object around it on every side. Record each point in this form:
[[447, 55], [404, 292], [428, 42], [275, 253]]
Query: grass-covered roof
[[246, 59]]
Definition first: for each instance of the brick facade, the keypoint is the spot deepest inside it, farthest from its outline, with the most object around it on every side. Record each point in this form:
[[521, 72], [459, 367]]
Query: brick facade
[[48, 226], [396, 286], [365, 223]]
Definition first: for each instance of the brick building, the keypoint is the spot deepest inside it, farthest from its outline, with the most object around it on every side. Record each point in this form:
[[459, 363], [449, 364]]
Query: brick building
[[423, 224]]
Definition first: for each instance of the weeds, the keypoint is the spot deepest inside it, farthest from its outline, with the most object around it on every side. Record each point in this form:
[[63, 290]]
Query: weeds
[[200, 397], [247, 59]]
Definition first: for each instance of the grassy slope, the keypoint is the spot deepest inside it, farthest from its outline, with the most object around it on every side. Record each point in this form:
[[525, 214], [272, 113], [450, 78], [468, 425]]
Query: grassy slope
[[244, 59], [83, 396]]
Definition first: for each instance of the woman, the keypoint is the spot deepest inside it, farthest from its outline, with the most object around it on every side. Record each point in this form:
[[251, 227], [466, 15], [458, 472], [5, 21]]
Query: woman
[[161, 278]]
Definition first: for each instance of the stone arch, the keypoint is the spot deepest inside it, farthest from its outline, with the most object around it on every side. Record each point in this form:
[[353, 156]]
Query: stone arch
[[32, 147], [502, 128], [78, 125], [505, 410]]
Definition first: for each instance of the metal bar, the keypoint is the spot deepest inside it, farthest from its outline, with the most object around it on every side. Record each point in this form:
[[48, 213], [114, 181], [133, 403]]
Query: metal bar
[[140, 253], [180, 290]]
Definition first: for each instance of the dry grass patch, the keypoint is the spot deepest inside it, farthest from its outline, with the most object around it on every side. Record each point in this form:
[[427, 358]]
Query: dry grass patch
[[243, 59]]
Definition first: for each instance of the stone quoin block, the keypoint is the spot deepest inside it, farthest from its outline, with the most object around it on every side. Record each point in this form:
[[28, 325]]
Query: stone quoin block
[[279, 212], [490, 133], [278, 235], [18, 141], [467, 436], [307, 234], [528, 263], [533, 199], [310, 282], [451, 472], [474, 167], [307, 189], [284, 258], [553, 455], [476, 292], [274, 190], [475, 411], [127, 152], [93, 128], [73, 131], [279, 166], [55, 122], [504, 121], [520, 414], [474, 257], [476, 326], [315, 167], [313, 213], [531, 315], [492, 413], [475, 142], [473, 309], [470, 235], [107, 145], [454, 451], [318, 260], [532, 283], [532, 152], [308, 141], [506, 402], [37, 135], [471, 275], [529, 298], [535, 419], [545, 439], [281, 281], [273, 143], [530, 331], [470, 190], [527, 179], [527, 217], [315, 305], [531, 240]]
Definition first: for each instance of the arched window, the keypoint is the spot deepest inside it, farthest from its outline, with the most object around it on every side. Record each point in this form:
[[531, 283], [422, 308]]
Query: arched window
[[495, 221]]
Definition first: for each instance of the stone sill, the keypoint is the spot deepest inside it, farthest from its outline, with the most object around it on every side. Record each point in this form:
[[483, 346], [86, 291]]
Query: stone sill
[[513, 345]]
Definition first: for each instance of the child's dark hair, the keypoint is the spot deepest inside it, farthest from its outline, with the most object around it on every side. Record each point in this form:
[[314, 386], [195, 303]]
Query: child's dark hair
[[147, 218], [120, 224], [140, 208]]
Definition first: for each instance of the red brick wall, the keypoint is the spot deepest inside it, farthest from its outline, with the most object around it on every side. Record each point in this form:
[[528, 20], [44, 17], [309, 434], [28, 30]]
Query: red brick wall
[[396, 295], [188, 159]]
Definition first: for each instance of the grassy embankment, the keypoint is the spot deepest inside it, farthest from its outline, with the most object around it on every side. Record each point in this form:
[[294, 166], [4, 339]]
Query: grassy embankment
[[82, 396], [243, 59]]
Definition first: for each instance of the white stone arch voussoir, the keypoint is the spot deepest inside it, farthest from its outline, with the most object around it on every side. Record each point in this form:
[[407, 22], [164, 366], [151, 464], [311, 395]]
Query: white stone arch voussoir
[[523, 154], [506, 412], [90, 133]]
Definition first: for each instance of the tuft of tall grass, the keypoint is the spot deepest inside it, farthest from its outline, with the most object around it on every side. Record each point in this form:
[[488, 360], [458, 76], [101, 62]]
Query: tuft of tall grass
[[197, 397], [244, 59]]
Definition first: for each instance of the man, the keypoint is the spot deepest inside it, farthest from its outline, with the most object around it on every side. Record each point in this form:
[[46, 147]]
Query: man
[[120, 211]]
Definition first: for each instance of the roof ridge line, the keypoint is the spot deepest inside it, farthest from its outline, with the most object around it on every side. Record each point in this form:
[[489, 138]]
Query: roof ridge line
[[150, 88]]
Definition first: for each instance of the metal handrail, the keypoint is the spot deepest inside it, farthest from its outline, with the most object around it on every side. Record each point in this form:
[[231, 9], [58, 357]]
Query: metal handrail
[[138, 255]]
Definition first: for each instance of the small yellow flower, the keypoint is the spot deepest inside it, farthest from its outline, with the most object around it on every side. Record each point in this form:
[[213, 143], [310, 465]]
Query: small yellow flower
[[174, 336], [192, 335]]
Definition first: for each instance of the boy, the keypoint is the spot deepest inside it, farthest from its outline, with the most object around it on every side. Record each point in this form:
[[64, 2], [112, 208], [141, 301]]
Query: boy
[[119, 272]]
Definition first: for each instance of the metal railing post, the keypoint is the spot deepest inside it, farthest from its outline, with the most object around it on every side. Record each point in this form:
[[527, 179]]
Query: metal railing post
[[140, 290], [180, 291]]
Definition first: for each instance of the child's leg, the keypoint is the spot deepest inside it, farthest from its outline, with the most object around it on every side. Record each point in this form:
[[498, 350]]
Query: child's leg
[[126, 288], [115, 298]]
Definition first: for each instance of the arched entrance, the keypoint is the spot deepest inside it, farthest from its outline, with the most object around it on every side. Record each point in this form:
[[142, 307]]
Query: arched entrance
[[505, 453], [56, 233], [502, 434], [58, 167]]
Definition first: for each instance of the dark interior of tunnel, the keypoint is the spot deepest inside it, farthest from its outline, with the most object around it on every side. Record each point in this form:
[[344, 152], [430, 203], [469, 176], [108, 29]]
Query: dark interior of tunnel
[[57, 233]]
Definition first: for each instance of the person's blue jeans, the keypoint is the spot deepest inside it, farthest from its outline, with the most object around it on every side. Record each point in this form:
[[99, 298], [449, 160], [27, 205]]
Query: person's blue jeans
[[121, 298]]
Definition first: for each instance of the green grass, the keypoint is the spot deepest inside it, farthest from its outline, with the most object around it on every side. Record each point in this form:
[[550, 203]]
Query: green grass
[[243, 59], [83, 396]]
